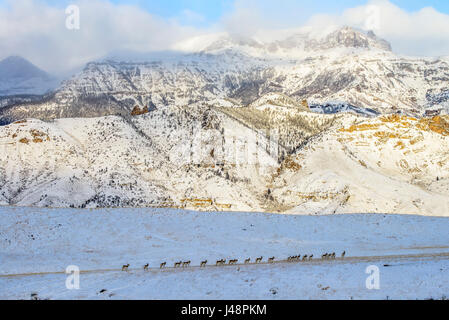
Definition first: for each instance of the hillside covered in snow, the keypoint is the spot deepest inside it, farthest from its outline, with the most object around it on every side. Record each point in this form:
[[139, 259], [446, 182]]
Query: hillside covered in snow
[[281, 159], [306, 125]]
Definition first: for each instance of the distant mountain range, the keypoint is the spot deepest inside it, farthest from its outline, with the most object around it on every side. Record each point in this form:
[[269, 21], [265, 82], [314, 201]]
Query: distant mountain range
[[347, 66], [18, 76]]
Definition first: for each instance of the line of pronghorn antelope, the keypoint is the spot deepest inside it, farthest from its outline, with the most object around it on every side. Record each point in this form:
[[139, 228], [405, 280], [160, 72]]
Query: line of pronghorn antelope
[[222, 262]]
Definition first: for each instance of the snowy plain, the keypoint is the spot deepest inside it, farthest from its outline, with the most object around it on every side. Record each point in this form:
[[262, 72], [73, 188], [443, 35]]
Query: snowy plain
[[37, 244]]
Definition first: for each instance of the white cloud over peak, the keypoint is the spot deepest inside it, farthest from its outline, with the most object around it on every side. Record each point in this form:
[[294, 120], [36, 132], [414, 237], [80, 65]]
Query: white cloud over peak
[[424, 32], [37, 31]]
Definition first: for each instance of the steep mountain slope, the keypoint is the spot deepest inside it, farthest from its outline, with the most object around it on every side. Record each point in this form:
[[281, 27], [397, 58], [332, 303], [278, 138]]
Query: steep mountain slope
[[211, 159], [347, 66], [111, 87], [387, 164], [116, 161]]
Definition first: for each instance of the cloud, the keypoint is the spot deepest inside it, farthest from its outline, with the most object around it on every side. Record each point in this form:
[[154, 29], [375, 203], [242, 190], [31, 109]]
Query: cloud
[[423, 33], [37, 31]]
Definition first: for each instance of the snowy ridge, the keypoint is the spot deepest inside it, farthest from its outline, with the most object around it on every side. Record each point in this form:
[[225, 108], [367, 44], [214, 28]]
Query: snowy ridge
[[230, 159], [346, 65], [230, 130]]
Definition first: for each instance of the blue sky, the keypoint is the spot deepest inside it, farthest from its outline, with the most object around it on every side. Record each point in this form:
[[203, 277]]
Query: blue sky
[[209, 12], [212, 10]]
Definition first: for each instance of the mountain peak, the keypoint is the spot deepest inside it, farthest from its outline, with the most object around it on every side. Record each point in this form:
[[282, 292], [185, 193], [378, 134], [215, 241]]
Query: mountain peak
[[19, 76], [304, 41], [352, 38], [18, 67]]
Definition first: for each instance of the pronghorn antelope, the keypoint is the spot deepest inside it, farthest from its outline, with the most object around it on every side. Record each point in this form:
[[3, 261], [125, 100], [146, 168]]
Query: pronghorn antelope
[[125, 267], [186, 264], [311, 257], [333, 255], [247, 260], [203, 263], [145, 267], [233, 261], [324, 256], [177, 264], [343, 254], [271, 260], [304, 258], [220, 262], [163, 264], [259, 260]]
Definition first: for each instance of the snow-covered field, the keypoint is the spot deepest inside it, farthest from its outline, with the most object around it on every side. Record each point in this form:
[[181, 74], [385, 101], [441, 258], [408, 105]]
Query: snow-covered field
[[36, 246]]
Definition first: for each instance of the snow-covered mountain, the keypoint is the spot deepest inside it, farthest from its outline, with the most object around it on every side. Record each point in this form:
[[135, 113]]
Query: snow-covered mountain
[[20, 77], [305, 125], [273, 159], [346, 65], [302, 43]]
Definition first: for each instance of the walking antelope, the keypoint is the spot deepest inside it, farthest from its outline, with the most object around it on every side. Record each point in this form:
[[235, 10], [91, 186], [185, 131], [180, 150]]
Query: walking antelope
[[186, 264], [145, 267], [220, 262], [333, 255], [311, 257], [233, 261], [177, 264], [259, 260], [324, 256], [343, 254], [203, 263], [247, 260], [163, 264], [304, 258], [271, 260], [125, 267]]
